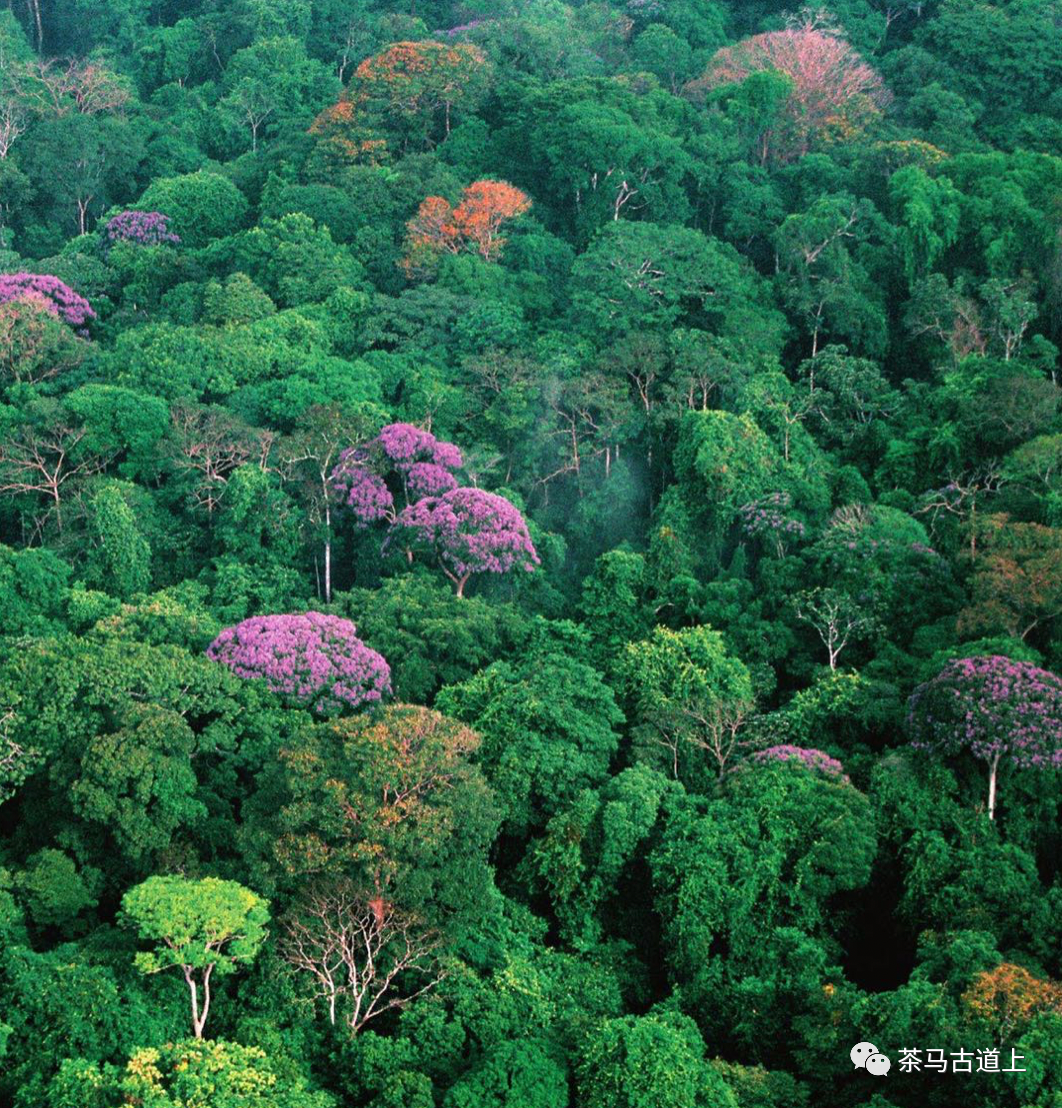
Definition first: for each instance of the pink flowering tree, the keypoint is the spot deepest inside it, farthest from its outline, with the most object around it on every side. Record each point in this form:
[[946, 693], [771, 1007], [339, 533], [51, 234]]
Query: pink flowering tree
[[467, 531], [312, 660], [48, 292], [140, 228], [832, 90], [808, 757], [998, 710], [397, 468]]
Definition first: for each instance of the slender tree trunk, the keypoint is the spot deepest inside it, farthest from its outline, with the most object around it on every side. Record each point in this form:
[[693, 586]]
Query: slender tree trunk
[[193, 990], [206, 999], [993, 769], [35, 11], [199, 1015], [461, 582], [328, 554]]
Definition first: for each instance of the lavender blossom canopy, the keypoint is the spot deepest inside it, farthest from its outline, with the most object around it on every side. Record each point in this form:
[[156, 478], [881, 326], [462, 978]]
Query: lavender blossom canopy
[[414, 460], [50, 293], [314, 660], [469, 531], [993, 707], [142, 228], [807, 756]]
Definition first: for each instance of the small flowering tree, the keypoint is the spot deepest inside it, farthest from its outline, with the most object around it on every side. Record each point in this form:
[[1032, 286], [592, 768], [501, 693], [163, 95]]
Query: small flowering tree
[[56, 297], [467, 531], [140, 228], [805, 756], [995, 708], [768, 519], [401, 465], [313, 660]]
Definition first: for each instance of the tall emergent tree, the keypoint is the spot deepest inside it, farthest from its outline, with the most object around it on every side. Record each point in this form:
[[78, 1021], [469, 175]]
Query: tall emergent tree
[[199, 927], [468, 531], [997, 709]]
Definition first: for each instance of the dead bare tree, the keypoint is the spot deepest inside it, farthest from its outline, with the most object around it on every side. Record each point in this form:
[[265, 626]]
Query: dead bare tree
[[961, 497], [358, 951], [53, 88], [211, 444], [838, 620], [14, 119], [42, 461]]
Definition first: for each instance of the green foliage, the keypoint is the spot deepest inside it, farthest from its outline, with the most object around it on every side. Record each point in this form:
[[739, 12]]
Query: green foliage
[[202, 206], [515, 1075], [119, 559], [687, 690], [33, 586], [640, 1061], [548, 731], [192, 1074], [201, 923]]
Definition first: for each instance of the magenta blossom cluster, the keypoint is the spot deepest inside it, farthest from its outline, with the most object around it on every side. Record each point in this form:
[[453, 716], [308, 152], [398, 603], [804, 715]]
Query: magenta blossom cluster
[[467, 531], [992, 706], [402, 464], [807, 756], [48, 292], [141, 228], [311, 659]]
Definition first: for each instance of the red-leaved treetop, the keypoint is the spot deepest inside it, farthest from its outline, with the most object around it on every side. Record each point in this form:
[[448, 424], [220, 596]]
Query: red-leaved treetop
[[996, 709], [833, 88], [475, 224], [467, 531], [398, 467], [311, 659]]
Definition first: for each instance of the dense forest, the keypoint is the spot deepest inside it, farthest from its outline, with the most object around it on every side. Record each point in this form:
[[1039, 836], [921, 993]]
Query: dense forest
[[531, 554]]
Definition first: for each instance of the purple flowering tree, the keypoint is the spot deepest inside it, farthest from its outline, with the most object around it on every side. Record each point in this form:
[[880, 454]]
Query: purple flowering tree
[[56, 297], [397, 468], [807, 756], [997, 709], [768, 519], [140, 228], [467, 531], [313, 660]]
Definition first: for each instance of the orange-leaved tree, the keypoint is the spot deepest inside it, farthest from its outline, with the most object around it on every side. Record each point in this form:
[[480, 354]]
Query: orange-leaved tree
[[345, 137], [411, 83], [1006, 999], [474, 224]]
